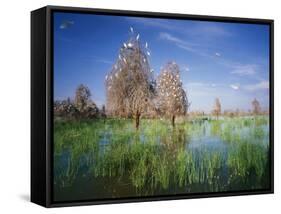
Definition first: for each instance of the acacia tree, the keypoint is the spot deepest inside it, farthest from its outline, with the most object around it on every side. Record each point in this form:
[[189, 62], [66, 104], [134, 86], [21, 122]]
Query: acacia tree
[[129, 83], [256, 107], [82, 97], [171, 97], [85, 106], [217, 108]]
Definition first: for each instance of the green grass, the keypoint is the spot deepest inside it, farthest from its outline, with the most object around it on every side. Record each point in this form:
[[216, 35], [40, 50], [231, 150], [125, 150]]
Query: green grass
[[158, 157]]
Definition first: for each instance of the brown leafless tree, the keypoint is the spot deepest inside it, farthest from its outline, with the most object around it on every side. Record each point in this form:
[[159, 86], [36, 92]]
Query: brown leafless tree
[[82, 97], [171, 97], [217, 108], [256, 107], [85, 106], [129, 84]]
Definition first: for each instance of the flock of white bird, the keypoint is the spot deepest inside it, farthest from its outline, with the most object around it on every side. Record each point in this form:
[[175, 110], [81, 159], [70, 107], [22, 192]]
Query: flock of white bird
[[123, 59], [169, 82]]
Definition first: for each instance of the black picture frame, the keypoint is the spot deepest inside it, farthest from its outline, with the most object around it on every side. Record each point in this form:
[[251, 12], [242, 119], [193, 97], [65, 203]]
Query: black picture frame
[[42, 102]]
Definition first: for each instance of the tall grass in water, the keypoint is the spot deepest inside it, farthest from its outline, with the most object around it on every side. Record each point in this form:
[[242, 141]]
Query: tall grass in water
[[158, 157]]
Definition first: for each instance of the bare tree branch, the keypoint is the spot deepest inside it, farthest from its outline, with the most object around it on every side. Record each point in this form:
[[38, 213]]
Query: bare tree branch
[[128, 85], [171, 97], [217, 108]]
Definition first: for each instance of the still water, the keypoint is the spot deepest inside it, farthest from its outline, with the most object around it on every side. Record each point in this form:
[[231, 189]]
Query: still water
[[110, 159]]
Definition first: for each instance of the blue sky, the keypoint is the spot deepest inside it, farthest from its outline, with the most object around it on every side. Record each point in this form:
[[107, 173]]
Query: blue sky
[[225, 60]]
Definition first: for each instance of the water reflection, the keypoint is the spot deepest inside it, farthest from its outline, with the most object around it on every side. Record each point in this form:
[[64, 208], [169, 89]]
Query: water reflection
[[107, 160]]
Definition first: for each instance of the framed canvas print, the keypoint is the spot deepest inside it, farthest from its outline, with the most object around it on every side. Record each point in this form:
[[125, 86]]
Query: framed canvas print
[[138, 106]]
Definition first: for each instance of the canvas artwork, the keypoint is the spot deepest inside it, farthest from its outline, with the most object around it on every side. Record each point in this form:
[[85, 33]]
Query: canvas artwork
[[149, 107]]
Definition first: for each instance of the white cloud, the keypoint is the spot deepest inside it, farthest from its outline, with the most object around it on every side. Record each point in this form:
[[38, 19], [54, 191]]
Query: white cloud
[[186, 68], [178, 42], [200, 49], [164, 24], [197, 84], [169, 37], [244, 70], [188, 46], [199, 28], [232, 96], [210, 29], [203, 84], [202, 89], [234, 87], [263, 85], [104, 61], [213, 85], [101, 60], [66, 24]]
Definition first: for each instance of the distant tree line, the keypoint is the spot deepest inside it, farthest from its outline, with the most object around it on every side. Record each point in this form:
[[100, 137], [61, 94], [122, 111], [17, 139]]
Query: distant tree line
[[217, 110]]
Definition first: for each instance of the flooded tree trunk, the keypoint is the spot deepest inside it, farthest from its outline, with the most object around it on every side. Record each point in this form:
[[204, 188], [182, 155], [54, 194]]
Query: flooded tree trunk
[[173, 120], [137, 120]]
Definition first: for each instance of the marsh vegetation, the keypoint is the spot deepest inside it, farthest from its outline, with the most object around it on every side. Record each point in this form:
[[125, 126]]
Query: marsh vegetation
[[144, 140], [105, 159]]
